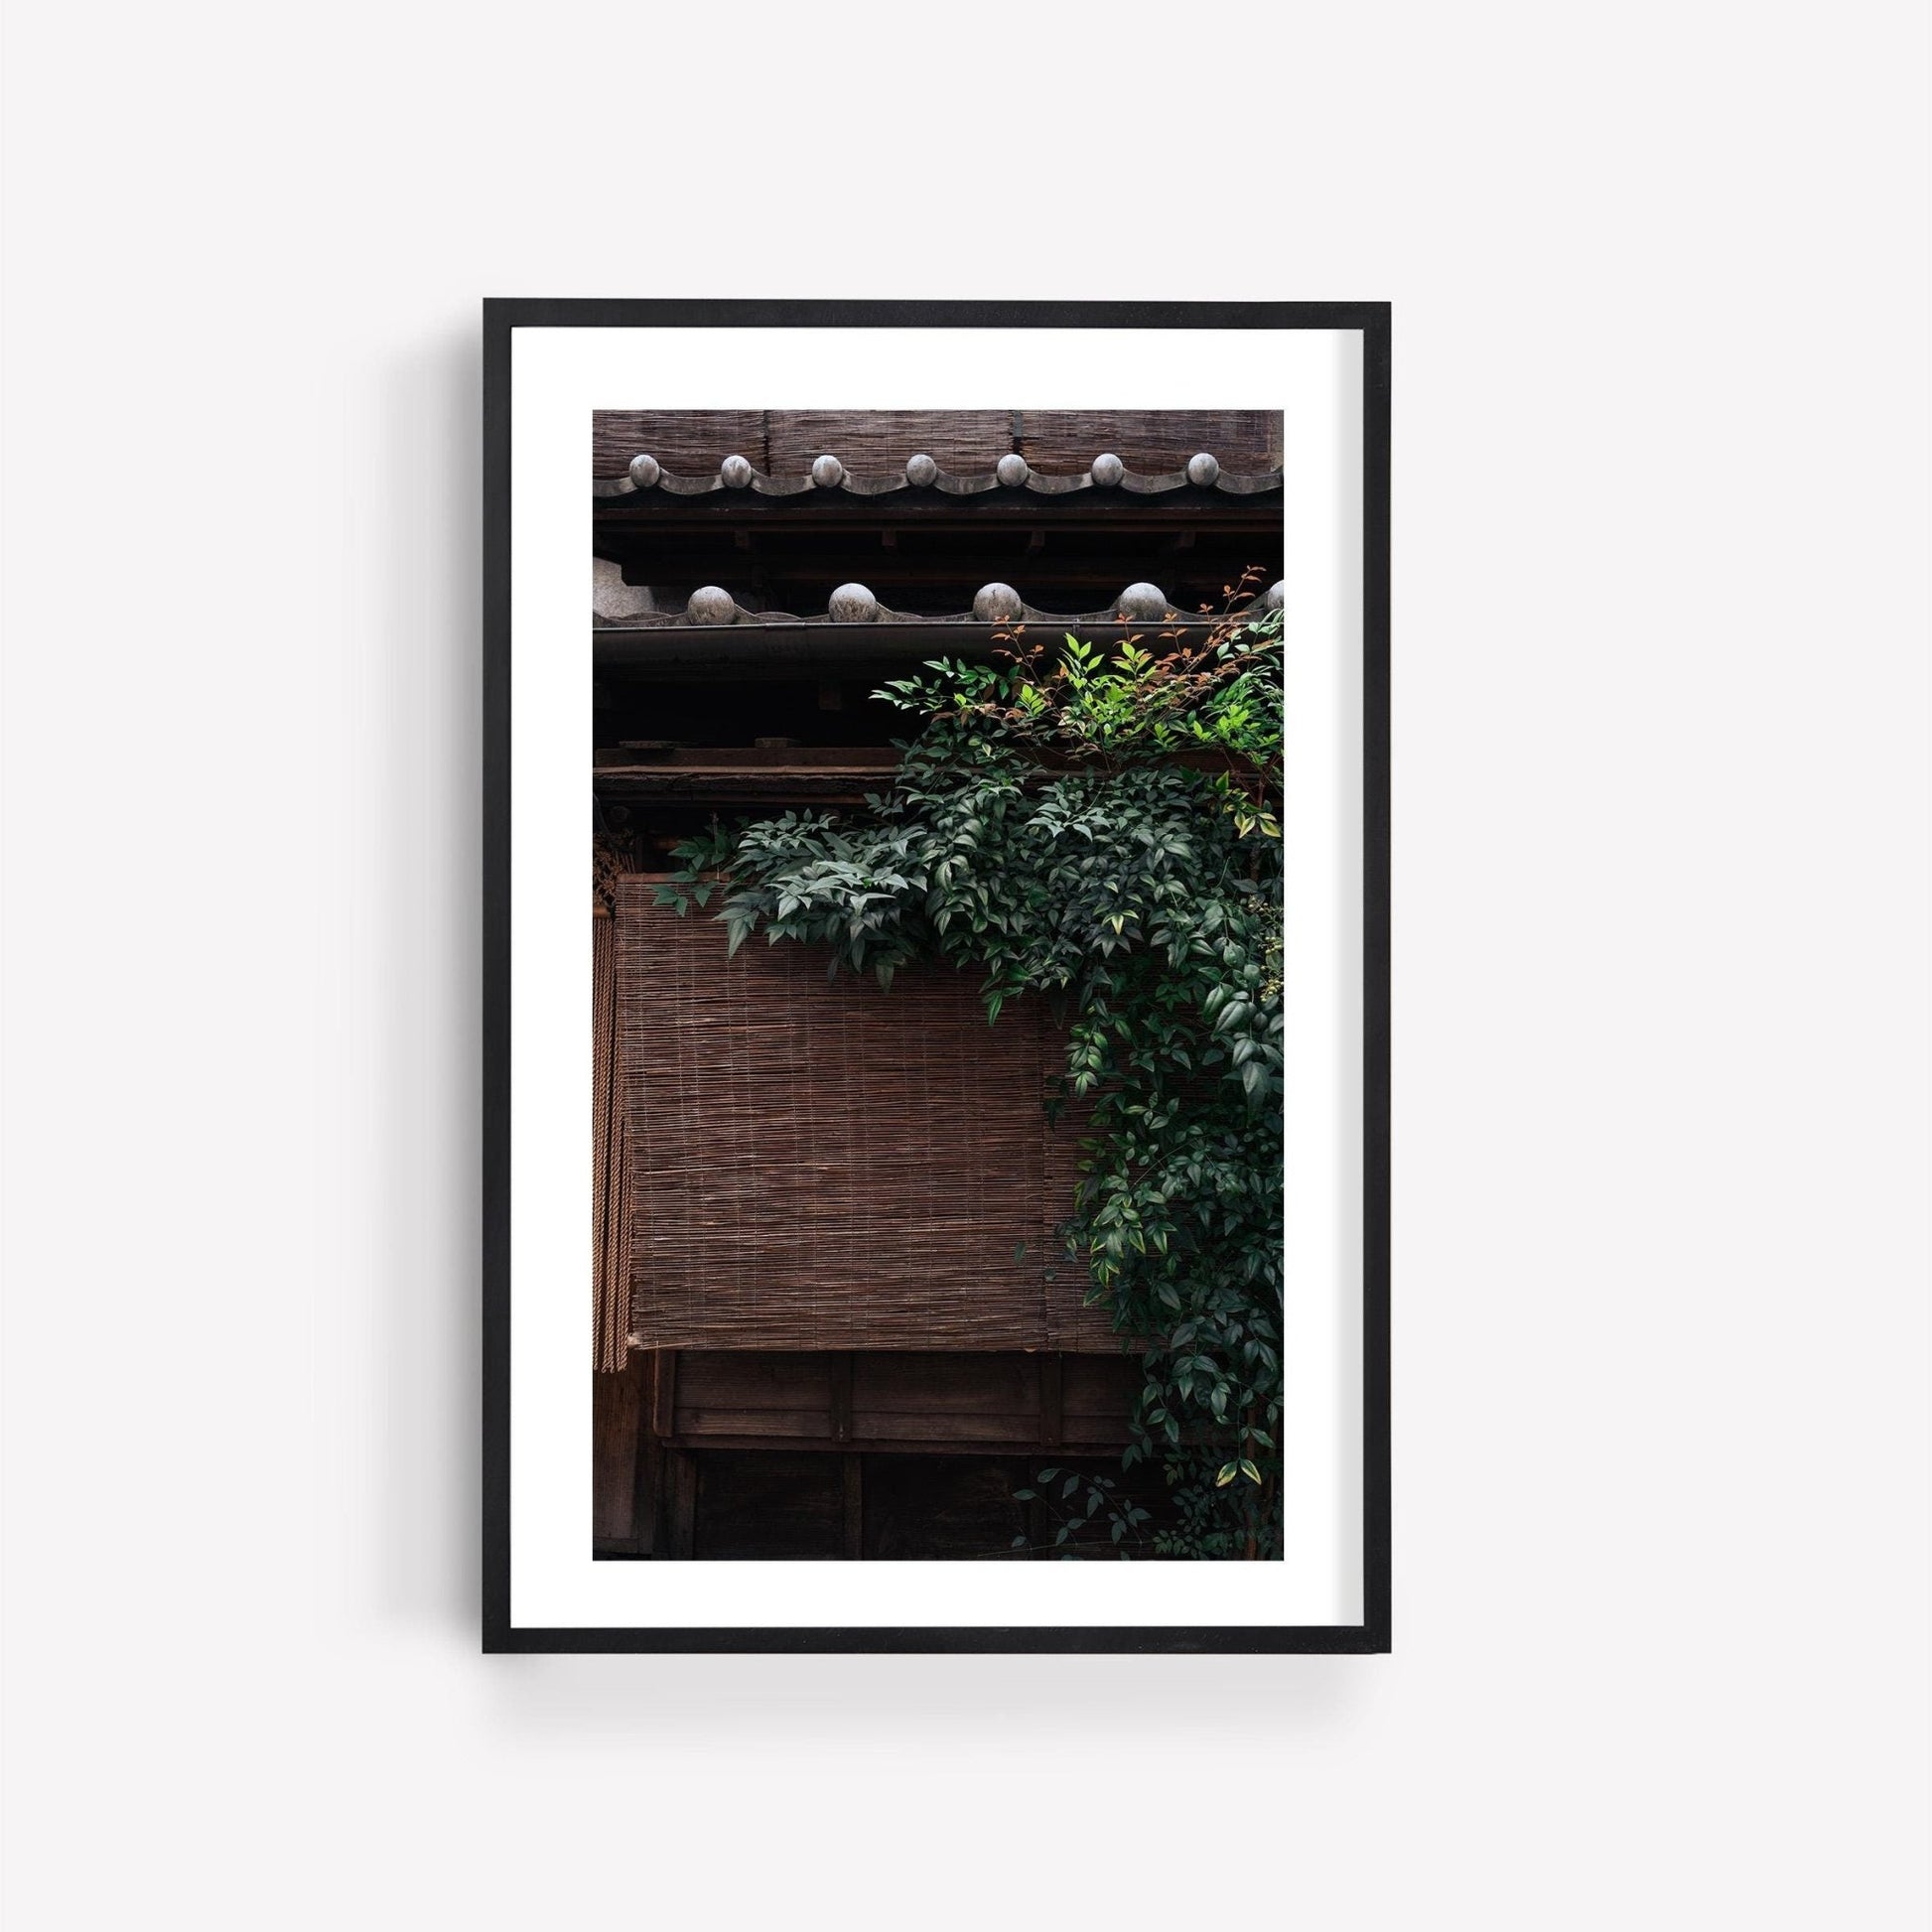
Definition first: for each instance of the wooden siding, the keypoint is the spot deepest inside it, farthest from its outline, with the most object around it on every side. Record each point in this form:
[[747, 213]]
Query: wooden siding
[[660, 1424]]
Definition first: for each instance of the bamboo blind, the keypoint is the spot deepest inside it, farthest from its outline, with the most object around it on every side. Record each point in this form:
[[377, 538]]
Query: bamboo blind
[[823, 1164]]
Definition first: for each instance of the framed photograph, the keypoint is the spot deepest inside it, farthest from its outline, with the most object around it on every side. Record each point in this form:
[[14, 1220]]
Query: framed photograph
[[936, 976]]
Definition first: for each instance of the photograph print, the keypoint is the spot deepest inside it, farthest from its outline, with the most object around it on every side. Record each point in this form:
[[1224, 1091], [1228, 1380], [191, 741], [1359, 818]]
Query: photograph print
[[937, 961]]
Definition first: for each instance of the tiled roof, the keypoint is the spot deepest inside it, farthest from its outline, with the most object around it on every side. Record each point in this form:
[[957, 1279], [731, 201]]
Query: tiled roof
[[962, 442], [616, 604], [1012, 478]]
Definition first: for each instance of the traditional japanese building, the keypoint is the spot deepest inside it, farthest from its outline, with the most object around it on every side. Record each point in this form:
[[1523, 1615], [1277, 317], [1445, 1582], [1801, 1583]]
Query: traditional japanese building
[[832, 1315]]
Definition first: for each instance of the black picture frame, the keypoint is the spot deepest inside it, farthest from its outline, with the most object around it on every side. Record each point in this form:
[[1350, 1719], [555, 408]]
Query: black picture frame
[[501, 318]]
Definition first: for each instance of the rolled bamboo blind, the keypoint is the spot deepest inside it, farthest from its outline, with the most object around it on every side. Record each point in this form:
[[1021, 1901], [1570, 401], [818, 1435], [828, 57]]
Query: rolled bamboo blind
[[825, 1164]]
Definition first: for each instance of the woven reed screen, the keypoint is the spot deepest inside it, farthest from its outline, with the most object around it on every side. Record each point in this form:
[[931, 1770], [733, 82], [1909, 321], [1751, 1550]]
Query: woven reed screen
[[822, 1165]]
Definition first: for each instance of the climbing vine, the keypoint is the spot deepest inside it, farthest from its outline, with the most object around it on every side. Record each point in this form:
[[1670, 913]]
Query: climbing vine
[[1098, 826]]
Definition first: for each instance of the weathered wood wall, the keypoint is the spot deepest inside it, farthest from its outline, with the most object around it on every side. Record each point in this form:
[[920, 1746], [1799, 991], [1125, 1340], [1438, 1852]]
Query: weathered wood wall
[[903, 1402], [715, 1452]]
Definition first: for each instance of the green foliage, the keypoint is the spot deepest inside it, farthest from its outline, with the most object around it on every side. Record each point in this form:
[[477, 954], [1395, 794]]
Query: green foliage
[[1100, 827], [1084, 1511]]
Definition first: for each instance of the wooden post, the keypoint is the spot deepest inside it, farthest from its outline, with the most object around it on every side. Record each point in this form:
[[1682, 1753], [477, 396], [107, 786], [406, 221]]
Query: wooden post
[[620, 1428], [1036, 1519], [1053, 1375], [679, 1517], [842, 1397], [855, 1508], [648, 1482], [675, 1493], [663, 1407]]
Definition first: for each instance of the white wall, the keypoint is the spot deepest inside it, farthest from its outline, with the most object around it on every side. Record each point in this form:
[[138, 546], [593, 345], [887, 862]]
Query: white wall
[[1662, 1135]]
